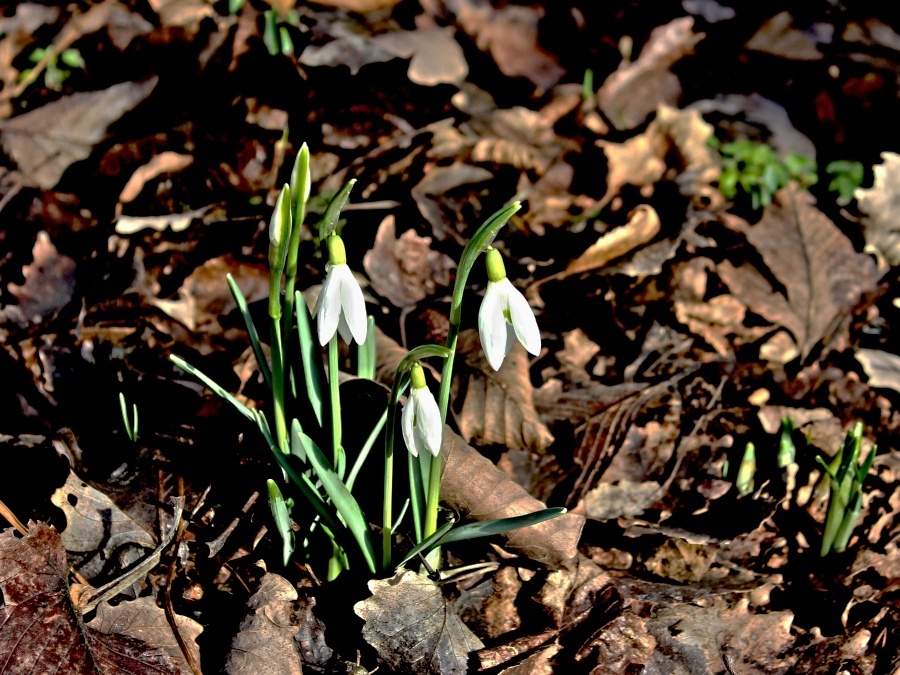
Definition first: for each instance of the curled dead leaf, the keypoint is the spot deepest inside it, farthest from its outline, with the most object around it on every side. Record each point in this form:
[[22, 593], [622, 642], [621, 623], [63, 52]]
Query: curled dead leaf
[[880, 205], [164, 162], [49, 285]]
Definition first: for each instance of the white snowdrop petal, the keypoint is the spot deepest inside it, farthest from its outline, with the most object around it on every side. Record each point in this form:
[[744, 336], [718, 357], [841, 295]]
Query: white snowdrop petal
[[328, 309], [492, 326], [428, 421], [343, 329], [407, 419], [523, 321], [353, 305]]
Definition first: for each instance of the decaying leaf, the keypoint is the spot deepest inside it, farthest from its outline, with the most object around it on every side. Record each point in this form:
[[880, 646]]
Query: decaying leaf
[[499, 406], [622, 499], [49, 285], [360, 6], [642, 226], [184, 14], [164, 162], [880, 205], [642, 160], [430, 193], [883, 368], [411, 626], [96, 528], [406, 269], [478, 489], [40, 629], [778, 36], [48, 140], [143, 620], [823, 276], [177, 222], [511, 35], [265, 641], [717, 320], [637, 88], [435, 56]]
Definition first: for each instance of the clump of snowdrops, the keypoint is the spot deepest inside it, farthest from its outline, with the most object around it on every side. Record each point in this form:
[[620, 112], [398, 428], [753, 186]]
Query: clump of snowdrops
[[301, 372]]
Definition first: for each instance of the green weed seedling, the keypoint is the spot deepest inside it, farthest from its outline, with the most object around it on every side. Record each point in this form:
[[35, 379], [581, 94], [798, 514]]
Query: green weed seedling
[[301, 371], [845, 476], [58, 68], [755, 169], [846, 178], [130, 421]]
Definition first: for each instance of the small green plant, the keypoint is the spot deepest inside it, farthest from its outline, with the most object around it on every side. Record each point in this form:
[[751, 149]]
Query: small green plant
[[746, 471], [844, 476], [298, 377], [755, 169], [130, 421], [276, 35], [59, 66], [787, 451], [846, 178]]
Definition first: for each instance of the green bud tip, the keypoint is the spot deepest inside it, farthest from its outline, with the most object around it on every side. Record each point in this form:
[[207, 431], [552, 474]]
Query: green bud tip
[[496, 270], [300, 176], [280, 224], [337, 254], [417, 376]]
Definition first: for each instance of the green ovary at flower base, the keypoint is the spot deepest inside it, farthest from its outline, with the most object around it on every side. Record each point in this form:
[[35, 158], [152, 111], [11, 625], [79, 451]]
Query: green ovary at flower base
[[505, 315]]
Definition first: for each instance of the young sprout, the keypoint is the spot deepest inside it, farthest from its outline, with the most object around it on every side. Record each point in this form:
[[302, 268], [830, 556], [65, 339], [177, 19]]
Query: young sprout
[[505, 315], [341, 306], [787, 451], [421, 419], [131, 423], [746, 471]]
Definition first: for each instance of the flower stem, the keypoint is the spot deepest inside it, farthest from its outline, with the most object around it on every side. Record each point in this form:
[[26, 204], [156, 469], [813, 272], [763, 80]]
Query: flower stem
[[278, 387], [333, 384]]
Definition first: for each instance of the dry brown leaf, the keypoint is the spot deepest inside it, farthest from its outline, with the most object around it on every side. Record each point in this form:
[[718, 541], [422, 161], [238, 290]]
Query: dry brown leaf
[[717, 320], [822, 274], [177, 222], [474, 486], [511, 35], [880, 205], [405, 270], [636, 89], [412, 627], [779, 37], [39, 627], [681, 561], [360, 6], [623, 499], [164, 162], [435, 56], [577, 352], [519, 137], [265, 641], [642, 226], [49, 285], [143, 620], [498, 408], [641, 160], [48, 140], [883, 368], [186, 14], [430, 193]]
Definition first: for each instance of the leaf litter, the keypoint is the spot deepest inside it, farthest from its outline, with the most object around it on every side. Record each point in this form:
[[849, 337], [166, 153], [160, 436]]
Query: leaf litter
[[667, 347]]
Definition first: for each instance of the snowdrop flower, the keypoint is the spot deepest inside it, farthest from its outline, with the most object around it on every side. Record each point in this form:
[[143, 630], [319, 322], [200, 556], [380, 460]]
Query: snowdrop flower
[[341, 306], [421, 419], [504, 315]]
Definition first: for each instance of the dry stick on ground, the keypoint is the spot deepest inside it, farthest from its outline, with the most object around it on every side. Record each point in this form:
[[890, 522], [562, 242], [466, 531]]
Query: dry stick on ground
[[11, 518]]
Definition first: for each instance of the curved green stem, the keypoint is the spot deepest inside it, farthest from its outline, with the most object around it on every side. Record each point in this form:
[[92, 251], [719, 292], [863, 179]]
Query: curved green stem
[[333, 387]]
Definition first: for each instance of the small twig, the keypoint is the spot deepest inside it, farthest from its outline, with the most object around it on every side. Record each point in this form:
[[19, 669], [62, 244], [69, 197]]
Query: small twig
[[10, 517]]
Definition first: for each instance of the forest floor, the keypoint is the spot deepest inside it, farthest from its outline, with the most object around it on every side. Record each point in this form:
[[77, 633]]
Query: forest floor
[[708, 239]]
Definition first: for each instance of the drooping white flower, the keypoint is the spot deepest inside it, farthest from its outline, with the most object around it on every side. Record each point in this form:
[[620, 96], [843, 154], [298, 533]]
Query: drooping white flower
[[505, 316], [421, 418], [341, 306]]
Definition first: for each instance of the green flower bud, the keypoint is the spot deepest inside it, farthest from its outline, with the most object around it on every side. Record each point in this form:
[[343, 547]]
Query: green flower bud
[[337, 254], [496, 270]]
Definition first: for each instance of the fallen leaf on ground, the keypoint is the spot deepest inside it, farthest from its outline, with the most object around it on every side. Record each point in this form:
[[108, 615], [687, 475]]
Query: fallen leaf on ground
[[48, 140], [880, 205], [360, 6], [164, 162], [405, 270], [823, 276], [177, 222], [435, 56], [637, 88], [478, 489], [143, 620], [642, 160], [642, 226], [347, 47], [95, 527], [412, 627], [40, 629], [883, 368], [779, 36], [624, 499], [511, 35], [430, 193], [49, 285], [186, 14], [498, 408], [717, 320], [265, 641]]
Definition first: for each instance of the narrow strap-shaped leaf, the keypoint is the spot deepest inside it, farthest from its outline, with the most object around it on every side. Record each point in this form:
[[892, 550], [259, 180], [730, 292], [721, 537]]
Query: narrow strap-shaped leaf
[[282, 517], [252, 333], [213, 386], [333, 210], [313, 371], [366, 450], [344, 502], [365, 363]]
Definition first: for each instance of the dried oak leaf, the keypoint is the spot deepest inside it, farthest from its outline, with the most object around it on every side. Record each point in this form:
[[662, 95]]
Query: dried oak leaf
[[40, 629], [49, 285], [880, 205], [822, 275], [405, 270], [779, 37], [637, 88], [265, 641], [642, 160], [478, 489], [511, 36], [498, 408], [164, 162], [883, 368], [412, 627], [48, 140], [435, 56], [642, 226]]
